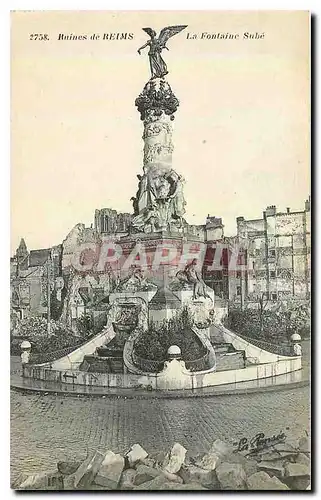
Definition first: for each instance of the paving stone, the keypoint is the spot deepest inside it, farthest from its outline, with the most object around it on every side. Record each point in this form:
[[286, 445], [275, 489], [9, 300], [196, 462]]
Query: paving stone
[[298, 483], [303, 459], [86, 473], [43, 481], [136, 454], [144, 473], [275, 468], [262, 481], [172, 477], [304, 445], [67, 468], [158, 457], [208, 461], [221, 448], [15, 484], [69, 482], [296, 470], [149, 462], [127, 479], [175, 459], [160, 483], [180, 487], [154, 484], [249, 465], [110, 470], [95, 486], [231, 476], [192, 474]]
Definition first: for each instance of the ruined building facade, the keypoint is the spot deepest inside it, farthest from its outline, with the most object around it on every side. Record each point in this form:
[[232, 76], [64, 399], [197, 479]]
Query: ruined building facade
[[278, 256]]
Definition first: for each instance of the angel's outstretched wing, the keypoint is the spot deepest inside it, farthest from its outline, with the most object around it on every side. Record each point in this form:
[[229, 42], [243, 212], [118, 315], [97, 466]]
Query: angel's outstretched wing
[[170, 31], [149, 31]]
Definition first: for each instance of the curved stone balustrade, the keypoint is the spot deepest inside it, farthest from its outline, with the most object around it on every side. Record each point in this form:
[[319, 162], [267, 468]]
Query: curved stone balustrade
[[255, 354], [282, 350]]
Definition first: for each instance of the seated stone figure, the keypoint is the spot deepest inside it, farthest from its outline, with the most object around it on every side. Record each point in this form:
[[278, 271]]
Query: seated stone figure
[[191, 275]]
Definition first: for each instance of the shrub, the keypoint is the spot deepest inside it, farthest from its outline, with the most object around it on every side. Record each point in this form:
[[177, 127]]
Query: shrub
[[276, 324], [154, 343], [35, 329]]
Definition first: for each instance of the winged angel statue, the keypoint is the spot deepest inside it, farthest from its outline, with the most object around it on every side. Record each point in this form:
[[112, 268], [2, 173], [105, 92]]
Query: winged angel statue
[[156, 45]]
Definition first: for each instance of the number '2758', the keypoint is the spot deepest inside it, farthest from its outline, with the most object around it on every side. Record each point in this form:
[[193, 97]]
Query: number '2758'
[[39, 36]]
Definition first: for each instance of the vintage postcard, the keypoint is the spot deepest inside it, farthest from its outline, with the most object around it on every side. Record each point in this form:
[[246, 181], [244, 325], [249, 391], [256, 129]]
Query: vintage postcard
[[160, 250]]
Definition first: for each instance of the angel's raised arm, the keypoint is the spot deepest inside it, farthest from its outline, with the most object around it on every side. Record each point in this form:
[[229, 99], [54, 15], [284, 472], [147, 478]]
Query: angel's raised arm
[[143, 47]]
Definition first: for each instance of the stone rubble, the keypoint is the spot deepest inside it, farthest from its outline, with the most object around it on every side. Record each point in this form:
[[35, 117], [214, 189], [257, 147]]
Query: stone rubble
[[110, 470], [231, 476], [262, 481], [136, 454], [175, 458], [280, 467], [86, 473]]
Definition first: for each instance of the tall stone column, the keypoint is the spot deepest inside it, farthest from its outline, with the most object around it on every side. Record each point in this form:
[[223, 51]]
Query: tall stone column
[[159, 203]]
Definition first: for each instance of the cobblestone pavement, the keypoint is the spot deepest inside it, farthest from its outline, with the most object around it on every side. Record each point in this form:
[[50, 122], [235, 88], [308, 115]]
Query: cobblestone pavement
[[47, 428]]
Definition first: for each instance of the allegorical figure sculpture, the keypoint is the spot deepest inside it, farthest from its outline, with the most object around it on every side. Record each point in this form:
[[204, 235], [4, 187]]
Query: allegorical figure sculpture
[[159, 200], [158, 66], [192, 276]]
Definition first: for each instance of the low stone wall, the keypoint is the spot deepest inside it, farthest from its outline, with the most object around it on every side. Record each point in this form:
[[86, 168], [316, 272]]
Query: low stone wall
[[175, 376], [254, 353]]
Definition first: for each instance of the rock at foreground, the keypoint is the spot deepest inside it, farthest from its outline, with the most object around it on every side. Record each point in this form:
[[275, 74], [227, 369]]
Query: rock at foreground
[[135, 454], [86, 473], [297, 476], [221, 449], [182, 487], [274, 468], [231, 476], [303, 459], [174, 459], [110, 470], [45, 481], [144, 474], [249, 465], [262, 481], [296, 470], [208, 461], [194, 474], [127, 479], [161, 483]]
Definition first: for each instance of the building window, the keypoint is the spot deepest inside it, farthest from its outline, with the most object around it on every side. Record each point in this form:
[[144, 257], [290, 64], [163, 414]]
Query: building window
[[274, 296], [272, 274], [272, 252], [238, 274], [238, 290]]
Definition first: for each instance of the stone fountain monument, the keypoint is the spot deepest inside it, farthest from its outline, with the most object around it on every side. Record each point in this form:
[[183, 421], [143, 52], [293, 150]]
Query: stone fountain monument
[[165, 284]]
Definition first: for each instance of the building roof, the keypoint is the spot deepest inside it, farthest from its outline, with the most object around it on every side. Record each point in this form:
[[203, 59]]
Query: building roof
[[38, 257], [164, 298]]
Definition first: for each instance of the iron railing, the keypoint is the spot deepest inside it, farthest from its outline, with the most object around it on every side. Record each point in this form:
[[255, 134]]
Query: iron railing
[[147, 365], [281, 350], [197, 365]]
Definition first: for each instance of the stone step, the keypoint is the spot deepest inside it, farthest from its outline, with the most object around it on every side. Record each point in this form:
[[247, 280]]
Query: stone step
[[222, 348], [230, 361], [216, 335]]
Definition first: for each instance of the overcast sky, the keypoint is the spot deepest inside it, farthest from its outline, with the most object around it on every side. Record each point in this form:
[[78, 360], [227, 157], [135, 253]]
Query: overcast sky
[[241, 133]]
